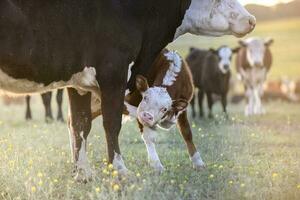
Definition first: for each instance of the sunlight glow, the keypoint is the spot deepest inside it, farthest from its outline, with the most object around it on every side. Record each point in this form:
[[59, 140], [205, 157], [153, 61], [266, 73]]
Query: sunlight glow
[[264, 2]]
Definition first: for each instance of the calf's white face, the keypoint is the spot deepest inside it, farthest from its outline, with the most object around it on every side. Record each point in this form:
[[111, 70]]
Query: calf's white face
[[256, 48], [216, 18], [225, 55], [156, 103]]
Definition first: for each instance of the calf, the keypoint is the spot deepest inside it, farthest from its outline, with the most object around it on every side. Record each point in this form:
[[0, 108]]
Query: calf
[[211, 72], [253, 63], [46, 97], [160, 100]]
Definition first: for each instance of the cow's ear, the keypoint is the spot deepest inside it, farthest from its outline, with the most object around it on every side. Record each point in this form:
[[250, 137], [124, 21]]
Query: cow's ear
[[236, 49], [269, 41], [213, 51], [179, 105], [141, 83], [242, 43]]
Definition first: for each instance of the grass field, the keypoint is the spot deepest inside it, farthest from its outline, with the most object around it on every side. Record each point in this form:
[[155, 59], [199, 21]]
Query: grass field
[[286, 48], [255, 158], [247, 158]]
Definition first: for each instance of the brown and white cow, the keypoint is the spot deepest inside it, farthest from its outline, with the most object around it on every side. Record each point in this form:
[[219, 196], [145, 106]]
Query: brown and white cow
[[161, 100], [253, 63]]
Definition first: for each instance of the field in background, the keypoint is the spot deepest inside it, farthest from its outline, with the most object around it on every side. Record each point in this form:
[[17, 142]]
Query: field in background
[[286, 48], [247, 158]]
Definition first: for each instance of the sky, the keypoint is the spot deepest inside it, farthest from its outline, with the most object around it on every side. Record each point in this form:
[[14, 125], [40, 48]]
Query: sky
[[264, 2]]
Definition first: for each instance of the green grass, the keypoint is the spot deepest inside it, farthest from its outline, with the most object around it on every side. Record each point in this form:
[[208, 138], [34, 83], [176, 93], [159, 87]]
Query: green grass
[[286, 48], [247, 158]]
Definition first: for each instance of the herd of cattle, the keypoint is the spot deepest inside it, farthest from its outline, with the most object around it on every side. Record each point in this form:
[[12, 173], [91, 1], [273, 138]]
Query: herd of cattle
[[111, 57]]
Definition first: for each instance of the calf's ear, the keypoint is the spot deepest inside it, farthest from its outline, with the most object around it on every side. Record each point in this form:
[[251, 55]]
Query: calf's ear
[[141, 83], [179, 105], [236, 49], [269, 41]]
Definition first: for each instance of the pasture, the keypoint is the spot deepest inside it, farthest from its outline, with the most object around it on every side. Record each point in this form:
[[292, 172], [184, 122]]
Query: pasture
[[247, 158], [286, 48]]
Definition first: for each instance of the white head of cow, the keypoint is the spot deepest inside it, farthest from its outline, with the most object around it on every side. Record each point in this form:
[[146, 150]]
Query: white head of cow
[[156, 103], [216, 18], [256, 48], [224, 54]]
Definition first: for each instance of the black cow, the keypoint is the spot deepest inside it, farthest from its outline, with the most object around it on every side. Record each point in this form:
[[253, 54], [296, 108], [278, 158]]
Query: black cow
[[211, 73], [88, 45], [46, 98]]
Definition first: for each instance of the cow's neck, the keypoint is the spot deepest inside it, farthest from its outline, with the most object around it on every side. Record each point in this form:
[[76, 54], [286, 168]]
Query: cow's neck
[[203, 8]]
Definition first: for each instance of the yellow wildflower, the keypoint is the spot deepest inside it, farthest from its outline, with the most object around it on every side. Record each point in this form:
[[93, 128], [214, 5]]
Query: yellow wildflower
[[33, 189], [97, 189], [116, 187]]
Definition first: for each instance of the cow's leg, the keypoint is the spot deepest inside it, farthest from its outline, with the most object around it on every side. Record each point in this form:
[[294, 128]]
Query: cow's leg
[[59, 99], [46, 97], [193, 106], [187, 135], [249, 97], [200, 103], [79, 123], [28, 115], [112, 79], [224, 104], [210, 104], [148, 136]]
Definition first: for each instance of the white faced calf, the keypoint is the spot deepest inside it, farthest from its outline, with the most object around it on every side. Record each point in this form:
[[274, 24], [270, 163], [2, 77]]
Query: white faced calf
[[253, 63]]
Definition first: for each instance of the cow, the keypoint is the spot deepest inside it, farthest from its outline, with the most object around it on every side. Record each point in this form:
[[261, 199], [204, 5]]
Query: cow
[[253, 62], [283, 89], [160, 101], [211, 73], [46, 98], [88, 46]]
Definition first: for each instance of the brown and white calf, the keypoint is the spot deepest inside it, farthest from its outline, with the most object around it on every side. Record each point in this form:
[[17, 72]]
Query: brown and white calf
[[253, 63], [211, 72], [161, 100]]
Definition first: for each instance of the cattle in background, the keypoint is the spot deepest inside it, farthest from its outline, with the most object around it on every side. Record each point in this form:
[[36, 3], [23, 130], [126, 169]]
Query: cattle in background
[[283, 89], [253, 62], [46, 98], [161, 100], [211, 73], [89, 46]]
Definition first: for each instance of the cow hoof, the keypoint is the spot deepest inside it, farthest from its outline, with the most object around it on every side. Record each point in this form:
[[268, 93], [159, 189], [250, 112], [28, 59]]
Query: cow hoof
[[83, 176], [158, 167], [197, 161]]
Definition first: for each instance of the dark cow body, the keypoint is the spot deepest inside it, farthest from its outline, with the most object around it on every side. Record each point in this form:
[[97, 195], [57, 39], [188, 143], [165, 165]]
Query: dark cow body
[[46, 98], [48, 41], [208, 78]]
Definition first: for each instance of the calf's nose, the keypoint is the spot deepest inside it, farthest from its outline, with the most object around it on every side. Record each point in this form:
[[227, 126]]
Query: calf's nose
[[148, 117]]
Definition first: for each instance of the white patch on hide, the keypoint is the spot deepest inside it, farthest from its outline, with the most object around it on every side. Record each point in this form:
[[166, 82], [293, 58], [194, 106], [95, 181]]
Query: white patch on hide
[[174, 68], [129, 75], [154, 100], [82, 81], [82, 162], [148, 137], [255, 51], [119, 165], [225, 54], [216, 18], [197, 161]]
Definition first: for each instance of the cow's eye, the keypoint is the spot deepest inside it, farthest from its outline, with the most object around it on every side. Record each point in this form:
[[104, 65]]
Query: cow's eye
[[164, 110], [145, 98]]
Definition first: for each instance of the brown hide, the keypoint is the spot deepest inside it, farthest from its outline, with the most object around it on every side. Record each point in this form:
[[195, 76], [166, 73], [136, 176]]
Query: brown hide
[[182, 88], [242, 61]]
